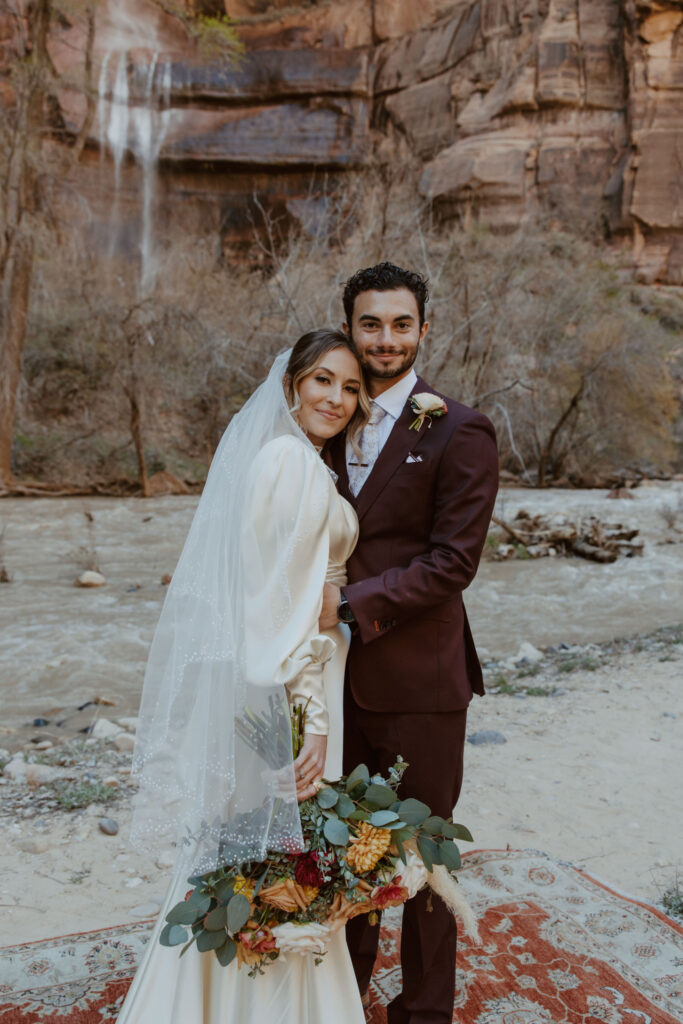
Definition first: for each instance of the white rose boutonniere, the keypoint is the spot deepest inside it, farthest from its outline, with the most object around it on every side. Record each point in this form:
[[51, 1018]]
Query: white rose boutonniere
[[425, 406]]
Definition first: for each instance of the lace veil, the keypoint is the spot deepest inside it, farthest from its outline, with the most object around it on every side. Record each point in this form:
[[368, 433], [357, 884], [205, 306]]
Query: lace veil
[[213, 755]]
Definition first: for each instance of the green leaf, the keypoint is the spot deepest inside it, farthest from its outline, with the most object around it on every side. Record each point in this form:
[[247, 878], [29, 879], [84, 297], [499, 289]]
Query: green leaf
[[336, 832], [358, 775], [210, 940], [450, 855], [183, 913], [381, 796], [239, 911], [200, 901], [224, 889], [360, 814], [404, 834], [226, 953], [172, 935], [345, 806], [380, 819], [454, 831], [434, 825], [413, 812], [217, 919], [400, 848], [429, 851], [327, 797]]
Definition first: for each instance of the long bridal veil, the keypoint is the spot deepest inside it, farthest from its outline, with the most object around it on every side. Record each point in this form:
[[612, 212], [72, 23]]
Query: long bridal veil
[[213, 755]]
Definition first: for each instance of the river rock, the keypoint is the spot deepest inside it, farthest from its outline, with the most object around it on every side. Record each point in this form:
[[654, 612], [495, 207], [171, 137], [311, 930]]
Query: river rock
[[23, 772], [109, 826], [129, 724], [124, 742], [486, 736], [165, 860], [90, 578], [103, 729], [528, 653], [37, 844]]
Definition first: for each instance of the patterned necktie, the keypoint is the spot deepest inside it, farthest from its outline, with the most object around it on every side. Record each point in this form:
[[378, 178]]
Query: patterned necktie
[[369, 446]]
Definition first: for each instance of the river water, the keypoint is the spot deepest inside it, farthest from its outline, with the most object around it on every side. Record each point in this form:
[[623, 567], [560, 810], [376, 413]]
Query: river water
[[62, 645]]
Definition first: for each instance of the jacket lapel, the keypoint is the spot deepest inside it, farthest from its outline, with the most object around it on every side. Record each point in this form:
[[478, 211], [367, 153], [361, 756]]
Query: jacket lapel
[[400, 442]]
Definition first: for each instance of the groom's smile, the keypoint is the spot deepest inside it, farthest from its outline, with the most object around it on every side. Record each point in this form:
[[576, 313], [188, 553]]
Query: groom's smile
[[387, 332]]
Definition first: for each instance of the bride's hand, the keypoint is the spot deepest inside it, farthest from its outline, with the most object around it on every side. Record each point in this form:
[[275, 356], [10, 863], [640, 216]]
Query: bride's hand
[[309, 766]]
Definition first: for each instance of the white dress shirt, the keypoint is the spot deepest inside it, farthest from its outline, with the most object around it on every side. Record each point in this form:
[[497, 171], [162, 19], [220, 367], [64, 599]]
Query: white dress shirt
[[393, 401]]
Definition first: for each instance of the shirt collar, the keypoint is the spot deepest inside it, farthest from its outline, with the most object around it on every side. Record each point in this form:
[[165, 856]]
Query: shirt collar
[[394, 398]]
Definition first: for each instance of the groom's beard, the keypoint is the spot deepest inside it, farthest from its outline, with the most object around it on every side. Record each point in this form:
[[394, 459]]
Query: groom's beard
[[380, 372]]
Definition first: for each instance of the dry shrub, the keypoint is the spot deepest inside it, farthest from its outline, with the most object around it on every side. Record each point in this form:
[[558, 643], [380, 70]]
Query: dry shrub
[[533, 328]]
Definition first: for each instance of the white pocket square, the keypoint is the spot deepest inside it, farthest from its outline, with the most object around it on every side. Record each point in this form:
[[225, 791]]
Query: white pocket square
[[414, 458]]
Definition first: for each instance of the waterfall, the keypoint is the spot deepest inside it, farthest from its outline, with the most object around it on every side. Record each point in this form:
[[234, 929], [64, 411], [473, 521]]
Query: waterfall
[[134, 116]]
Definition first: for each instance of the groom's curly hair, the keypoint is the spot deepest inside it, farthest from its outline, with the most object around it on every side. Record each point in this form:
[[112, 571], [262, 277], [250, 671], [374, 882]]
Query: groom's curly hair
[[385, 277]]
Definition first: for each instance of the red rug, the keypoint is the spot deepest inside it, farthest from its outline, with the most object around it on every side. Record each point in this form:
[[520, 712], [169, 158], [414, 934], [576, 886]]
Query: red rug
[[558, 948]]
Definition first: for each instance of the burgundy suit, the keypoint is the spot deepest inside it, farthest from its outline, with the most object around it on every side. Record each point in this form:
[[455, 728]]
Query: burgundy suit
[[424, 512]]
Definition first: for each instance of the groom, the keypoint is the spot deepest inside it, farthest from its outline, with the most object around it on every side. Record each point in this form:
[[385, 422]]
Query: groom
[[424, 498]]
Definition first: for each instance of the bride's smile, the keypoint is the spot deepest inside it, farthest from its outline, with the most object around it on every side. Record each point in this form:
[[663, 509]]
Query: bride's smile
[[328, 395]]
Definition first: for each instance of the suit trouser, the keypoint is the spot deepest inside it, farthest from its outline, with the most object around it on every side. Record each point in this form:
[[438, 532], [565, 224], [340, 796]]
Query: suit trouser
[[433, 746]]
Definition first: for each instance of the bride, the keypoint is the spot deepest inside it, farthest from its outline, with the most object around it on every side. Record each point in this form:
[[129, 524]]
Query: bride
[[238, 639]]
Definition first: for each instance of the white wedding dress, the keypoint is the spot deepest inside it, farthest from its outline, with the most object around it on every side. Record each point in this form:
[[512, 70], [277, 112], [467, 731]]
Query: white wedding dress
[[292, 990]]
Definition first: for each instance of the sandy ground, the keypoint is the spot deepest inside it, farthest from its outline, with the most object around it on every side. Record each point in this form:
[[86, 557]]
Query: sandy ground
[[590, 771]]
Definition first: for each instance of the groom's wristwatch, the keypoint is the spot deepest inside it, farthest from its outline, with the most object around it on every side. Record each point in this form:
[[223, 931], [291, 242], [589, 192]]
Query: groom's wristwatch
[[344, 613]]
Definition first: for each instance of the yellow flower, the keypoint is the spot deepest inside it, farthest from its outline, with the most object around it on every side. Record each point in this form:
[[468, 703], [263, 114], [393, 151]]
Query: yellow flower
[[367, 847], [244, 887]]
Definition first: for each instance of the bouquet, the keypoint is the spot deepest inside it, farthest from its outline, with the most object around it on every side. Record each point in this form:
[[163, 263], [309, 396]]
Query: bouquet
[[364, 850]]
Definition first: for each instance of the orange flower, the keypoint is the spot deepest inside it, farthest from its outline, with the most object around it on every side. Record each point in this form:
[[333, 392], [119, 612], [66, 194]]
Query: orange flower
[[254, 943], [287, 895]]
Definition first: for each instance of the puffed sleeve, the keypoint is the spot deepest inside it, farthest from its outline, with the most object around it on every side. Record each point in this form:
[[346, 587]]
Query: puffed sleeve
[[285, 551]]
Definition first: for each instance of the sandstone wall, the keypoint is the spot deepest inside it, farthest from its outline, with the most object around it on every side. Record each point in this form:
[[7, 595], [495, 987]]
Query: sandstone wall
[[508, 105]]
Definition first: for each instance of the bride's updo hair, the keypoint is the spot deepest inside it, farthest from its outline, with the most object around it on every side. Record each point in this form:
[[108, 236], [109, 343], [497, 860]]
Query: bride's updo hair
[[306, 355]]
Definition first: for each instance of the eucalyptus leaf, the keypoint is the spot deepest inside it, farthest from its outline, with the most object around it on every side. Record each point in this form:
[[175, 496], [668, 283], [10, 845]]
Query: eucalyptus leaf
[[330, 812], [400, 848], [428, 851], [172, 935], [183, 913], [336, 832], [380, 796], [239, 911], [210, 940], [345, 806], [200, 901], [226, 953], [224, 889], [434, 825], [217, 919], [380, 819], [327, 797], [450, 855], [358, 775], [413, 812], [358, 815], [455, 831]]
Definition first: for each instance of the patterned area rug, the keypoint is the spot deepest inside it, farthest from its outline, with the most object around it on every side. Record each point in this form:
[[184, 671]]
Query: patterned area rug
[[558, 948]]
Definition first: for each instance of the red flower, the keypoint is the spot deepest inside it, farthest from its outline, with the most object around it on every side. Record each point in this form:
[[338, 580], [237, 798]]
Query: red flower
[[307, 871], [188, 894], [391, 895]]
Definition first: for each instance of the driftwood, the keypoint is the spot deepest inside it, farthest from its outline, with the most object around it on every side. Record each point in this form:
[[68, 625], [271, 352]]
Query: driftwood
[[540, 536]]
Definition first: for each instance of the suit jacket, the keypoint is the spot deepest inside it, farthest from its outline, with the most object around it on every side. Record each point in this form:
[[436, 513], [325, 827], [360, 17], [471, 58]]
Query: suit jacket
[[424, 513]]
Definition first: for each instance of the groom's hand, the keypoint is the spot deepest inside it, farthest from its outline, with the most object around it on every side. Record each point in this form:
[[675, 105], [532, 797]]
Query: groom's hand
[[331, 599]]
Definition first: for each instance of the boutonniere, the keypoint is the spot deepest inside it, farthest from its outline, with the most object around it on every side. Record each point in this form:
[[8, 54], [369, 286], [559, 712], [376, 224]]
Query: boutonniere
[[425, 406]]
